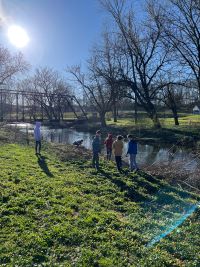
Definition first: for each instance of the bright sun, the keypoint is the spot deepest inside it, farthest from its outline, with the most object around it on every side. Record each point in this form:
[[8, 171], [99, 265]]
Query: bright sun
[[18, 36]]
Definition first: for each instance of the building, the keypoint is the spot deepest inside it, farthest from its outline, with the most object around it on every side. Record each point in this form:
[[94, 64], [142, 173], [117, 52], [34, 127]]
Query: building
[[196, 110]]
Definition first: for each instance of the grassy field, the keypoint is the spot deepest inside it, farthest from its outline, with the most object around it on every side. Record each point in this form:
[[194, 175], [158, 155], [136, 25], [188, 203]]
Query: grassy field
[[184, 120], [187, 131], [58, 211]]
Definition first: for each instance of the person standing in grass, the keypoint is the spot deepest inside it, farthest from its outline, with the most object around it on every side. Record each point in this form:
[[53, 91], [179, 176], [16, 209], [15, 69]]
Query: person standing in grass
[[96, 149], [118, 149], [108, 142], [132, 152], [37, 136]]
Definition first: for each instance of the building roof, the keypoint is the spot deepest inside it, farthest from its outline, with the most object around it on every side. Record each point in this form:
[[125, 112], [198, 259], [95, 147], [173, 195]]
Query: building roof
[[196, 108]]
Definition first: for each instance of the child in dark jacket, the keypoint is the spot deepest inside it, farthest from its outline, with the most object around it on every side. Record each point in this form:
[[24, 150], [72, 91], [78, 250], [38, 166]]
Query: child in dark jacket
[[132, 151], [108, 142]]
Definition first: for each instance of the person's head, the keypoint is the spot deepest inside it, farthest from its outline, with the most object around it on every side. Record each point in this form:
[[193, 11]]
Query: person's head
[[98, 133], [119, 137], [81, 141], [109, 135], [131, 137], [37, 123]]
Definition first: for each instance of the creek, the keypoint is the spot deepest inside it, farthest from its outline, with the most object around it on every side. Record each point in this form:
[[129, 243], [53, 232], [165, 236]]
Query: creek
[[147, 154]]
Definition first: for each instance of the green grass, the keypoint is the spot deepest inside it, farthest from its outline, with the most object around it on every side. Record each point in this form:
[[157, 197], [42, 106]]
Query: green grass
[[187, 132], [64, 213], [184, 120]]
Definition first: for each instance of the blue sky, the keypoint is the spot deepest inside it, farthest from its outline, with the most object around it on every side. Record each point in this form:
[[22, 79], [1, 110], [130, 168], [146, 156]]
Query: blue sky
[[61, 31]]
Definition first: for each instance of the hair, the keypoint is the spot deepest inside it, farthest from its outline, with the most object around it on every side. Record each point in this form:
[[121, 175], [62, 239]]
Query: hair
[[130, 136], [119, 137], [98, 132]]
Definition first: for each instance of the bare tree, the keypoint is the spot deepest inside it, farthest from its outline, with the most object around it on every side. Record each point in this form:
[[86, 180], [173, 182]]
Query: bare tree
[[106, 68], [95, 88], [11, 65], [145, 55], [181, 23], [48, 93], [172, 97]]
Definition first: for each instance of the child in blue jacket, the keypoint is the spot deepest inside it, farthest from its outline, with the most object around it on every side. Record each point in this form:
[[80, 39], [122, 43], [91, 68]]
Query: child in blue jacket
[[132, 151]]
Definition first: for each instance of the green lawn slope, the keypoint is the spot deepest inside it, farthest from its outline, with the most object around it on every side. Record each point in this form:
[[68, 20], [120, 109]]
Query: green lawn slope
[[57, 212]]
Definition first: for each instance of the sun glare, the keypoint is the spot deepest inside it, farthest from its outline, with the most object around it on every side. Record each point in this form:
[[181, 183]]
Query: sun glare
[[18, 36]]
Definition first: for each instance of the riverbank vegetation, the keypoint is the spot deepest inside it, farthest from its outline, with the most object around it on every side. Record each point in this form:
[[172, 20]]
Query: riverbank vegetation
[[187, 133], [58, 211]]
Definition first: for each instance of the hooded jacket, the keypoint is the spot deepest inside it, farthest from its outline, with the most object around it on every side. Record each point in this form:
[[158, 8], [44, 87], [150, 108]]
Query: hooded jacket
[[132, 147], [118, 147], [37, 134], [109, 141], [96, 145]]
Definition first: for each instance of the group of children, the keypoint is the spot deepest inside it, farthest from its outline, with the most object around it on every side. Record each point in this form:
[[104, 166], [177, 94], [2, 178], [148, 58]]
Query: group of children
[[115, 146]]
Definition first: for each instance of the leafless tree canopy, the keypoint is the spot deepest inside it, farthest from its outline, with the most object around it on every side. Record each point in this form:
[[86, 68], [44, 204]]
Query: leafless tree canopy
[[11, 65], [180, 20], [54, 89]]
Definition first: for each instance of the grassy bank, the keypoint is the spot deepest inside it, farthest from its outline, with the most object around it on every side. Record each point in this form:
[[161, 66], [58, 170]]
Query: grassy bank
[[57, 211]]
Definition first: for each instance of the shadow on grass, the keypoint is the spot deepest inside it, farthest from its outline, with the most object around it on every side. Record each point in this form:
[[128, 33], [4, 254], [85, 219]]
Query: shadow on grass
[[130, 192], [168, 188], [43, 165]]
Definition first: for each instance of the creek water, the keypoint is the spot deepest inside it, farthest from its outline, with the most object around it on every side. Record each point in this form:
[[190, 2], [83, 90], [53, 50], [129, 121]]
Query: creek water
[[147, 154]]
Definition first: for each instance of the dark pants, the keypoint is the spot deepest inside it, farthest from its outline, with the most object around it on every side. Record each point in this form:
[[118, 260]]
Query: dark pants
[[109, 153], [37, 146], [118, 160], [95, 160]]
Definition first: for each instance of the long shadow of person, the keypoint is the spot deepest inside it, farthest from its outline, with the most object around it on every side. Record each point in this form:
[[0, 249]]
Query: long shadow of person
[[43, 165]]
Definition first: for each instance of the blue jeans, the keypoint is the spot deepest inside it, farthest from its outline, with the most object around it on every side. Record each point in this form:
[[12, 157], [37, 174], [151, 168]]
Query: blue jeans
[[37, 146], [132, 162]]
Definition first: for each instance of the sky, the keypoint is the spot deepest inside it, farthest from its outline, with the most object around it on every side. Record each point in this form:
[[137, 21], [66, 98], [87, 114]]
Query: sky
[[61, 32]]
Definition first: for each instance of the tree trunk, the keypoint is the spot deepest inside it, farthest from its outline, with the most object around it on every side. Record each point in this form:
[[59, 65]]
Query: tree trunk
[[102, 116], [136, 111], [153, 116], [156, 121], [114, 111], [175, 115]]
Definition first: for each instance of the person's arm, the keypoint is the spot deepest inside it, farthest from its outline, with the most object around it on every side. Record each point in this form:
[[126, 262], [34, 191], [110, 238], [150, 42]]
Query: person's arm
[[113, 145], [128, 152]]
